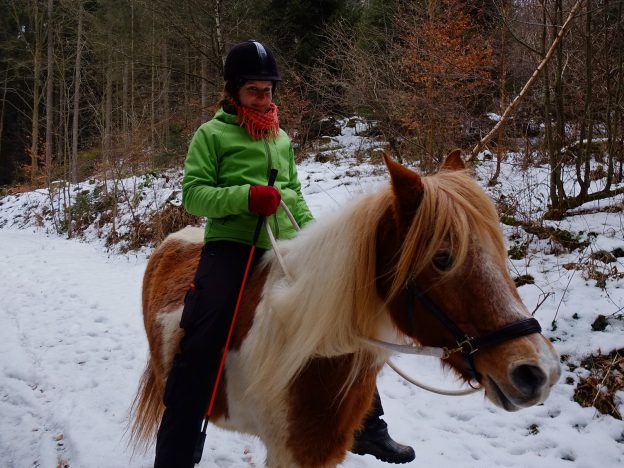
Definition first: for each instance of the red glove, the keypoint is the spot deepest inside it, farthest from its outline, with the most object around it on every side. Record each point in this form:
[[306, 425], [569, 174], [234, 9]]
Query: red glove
[[264, 199]]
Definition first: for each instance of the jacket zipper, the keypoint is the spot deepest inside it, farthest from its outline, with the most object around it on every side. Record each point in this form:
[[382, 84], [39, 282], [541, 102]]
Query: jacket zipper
[[269, 167]]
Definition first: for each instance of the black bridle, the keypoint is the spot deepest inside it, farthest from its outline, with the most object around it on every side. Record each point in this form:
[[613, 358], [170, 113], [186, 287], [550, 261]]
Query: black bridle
[[467, 345]]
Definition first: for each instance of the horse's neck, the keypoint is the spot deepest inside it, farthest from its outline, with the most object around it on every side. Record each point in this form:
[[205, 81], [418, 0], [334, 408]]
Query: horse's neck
[[332, 264], [327, 307]]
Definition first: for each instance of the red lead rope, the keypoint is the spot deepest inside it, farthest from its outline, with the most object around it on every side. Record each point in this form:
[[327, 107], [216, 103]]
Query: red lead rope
[[230, 332], [199, 446]]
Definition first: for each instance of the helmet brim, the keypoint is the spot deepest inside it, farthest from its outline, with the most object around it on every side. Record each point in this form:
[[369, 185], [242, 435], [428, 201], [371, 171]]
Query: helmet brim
[[259, 77]]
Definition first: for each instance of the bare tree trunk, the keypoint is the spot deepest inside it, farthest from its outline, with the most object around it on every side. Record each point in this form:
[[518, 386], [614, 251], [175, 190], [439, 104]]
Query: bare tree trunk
[[76, 109], [204, 88], [500, 147], [153, 90], [50, 94], [582, 162], [4, 93], [34, 147], [432, 6], [131, 84], [165, 91], [619, 97], [62, 119], [558, 95], [553, 157], [220, 48], [125, 111], [108, 105], [430, 127], [614, 100], [34, 134], [187, 91], [218, 35], [64, 150]]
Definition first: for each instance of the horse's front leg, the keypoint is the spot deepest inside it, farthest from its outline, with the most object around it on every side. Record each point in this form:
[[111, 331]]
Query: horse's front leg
[[322, 414]]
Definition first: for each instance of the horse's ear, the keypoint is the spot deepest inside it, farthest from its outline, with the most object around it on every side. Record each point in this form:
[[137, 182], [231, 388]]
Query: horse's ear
[[454, 161], [406, 186]]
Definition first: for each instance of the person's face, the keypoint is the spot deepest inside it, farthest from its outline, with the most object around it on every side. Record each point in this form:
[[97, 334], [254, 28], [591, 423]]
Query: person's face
[[257, 95]]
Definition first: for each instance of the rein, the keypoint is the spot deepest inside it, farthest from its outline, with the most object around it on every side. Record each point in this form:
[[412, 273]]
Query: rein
[[466, 345]]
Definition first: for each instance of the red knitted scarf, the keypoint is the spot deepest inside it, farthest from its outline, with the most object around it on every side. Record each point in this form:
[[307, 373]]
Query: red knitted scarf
[[257, 124]]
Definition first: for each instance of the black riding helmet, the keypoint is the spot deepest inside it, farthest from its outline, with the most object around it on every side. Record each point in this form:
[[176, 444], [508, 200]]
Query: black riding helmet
[[249, 60]]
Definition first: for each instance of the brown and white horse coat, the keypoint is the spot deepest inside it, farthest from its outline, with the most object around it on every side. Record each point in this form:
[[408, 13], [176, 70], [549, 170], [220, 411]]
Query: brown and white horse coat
[[299, 374]]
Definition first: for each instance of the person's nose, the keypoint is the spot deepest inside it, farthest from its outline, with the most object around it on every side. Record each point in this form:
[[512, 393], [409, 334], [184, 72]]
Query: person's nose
[[263, 100]]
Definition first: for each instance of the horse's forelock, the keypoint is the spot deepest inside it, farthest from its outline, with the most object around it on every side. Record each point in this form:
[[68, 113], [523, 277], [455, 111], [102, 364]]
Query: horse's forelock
[[454, 210]]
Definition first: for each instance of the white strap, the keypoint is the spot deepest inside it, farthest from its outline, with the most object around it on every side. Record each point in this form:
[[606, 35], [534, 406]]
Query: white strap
[[408, 349], [290, 215], [280, 259], [439, 391]]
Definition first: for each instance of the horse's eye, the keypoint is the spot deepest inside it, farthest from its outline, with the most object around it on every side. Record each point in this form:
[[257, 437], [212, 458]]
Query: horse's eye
[[443, 260]]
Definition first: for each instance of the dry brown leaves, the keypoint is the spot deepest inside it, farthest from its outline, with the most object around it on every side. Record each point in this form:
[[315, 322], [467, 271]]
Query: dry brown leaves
[[605, 379]]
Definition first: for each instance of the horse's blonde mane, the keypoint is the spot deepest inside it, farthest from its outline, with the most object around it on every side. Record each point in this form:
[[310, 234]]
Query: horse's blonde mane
[[296, 322]]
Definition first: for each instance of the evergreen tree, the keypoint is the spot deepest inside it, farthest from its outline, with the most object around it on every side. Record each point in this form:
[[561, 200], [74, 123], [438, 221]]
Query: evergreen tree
[[296, 27]]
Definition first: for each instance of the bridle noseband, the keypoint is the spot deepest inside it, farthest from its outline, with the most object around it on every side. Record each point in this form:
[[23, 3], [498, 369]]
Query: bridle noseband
[[467, 345]]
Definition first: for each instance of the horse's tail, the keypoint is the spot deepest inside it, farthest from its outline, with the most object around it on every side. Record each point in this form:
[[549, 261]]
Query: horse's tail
[[147, 409]]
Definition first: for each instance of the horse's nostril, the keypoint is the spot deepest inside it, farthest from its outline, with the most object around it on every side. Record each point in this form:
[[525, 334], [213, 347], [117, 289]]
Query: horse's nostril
[[528, 379]]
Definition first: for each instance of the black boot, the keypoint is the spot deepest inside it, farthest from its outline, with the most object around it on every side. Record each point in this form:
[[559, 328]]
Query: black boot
[[374, 440]]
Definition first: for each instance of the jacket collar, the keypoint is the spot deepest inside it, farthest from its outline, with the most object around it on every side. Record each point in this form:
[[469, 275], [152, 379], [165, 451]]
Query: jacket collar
[[226, 117]]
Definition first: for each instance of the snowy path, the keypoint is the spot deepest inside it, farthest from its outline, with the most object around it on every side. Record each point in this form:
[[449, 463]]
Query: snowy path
[[72, 348]]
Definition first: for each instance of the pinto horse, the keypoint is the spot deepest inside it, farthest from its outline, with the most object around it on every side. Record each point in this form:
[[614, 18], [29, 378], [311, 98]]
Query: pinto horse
[[422, 260]]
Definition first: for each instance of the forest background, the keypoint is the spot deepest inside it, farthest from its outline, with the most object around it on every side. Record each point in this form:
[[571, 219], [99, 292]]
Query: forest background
[[109, 88]]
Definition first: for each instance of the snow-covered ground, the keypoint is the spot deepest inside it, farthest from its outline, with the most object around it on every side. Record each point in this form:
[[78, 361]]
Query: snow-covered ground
[[72, 348]]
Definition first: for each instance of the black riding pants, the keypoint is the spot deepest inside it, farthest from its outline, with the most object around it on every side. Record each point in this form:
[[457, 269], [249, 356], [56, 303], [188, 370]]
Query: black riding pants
[[208, 309]]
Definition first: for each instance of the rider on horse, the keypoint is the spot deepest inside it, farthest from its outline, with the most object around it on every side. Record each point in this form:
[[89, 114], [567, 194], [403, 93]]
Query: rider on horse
[[225, 180]]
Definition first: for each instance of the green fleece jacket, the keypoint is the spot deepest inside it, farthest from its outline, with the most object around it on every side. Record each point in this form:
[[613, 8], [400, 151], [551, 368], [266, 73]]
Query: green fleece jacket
[[223, 161]]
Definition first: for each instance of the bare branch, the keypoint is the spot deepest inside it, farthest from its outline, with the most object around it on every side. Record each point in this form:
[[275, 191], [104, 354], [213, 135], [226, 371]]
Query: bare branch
[[514, 104]]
